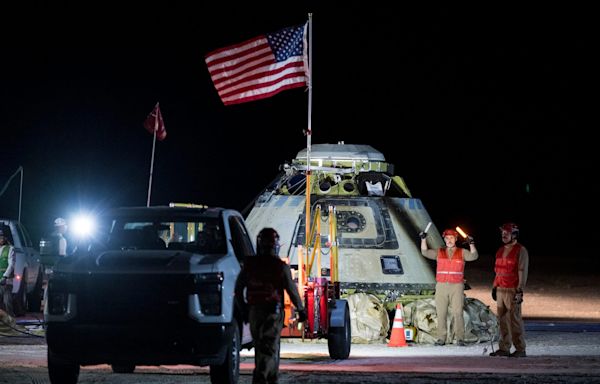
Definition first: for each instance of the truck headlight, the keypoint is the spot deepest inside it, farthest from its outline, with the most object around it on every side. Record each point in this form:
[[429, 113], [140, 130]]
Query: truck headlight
[[58, 303], [59, 286], [208, 287]]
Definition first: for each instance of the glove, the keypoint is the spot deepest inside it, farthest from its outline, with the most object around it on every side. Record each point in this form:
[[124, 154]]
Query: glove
[[422, 235], [302, 316], [3, 280], [519, 296], [470, 240], [494, 297]]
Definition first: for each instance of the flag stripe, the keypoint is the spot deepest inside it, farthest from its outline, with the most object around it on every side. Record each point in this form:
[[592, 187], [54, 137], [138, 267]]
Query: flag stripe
[[250, 96], [263, 73], [232, 60], [243, 66], [260, 67], [235, 49], [227, 75], [266, 87]]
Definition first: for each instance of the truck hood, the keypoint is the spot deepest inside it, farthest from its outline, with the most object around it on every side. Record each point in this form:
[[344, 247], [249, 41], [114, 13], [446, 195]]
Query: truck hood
[[138, 261]]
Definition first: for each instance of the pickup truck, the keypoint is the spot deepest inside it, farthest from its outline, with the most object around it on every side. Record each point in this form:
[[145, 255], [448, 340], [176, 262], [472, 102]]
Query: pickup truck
[[28, 277], [157, 288]]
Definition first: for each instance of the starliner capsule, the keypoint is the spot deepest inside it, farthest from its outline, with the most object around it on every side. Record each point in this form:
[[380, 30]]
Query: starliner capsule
[[363, 221]]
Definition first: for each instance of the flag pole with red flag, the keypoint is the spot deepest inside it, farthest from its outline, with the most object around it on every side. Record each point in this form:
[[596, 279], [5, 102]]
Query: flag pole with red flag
[[154, 124]]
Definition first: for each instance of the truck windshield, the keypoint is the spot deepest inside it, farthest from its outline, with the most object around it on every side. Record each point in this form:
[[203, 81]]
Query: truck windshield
[[193, 235]]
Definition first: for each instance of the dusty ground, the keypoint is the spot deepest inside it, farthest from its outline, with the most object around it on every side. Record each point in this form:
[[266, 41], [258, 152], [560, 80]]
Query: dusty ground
[[556, 290]]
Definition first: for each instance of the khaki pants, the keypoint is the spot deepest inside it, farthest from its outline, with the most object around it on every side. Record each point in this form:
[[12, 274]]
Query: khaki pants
[[512, 329], [450, 295], [265, 327], [7, 301]]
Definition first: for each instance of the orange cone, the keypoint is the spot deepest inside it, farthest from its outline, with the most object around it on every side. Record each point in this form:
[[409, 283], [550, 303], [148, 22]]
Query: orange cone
[[398, 338]]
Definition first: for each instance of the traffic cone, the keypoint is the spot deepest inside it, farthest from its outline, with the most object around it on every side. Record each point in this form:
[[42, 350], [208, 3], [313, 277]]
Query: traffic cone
[[398, 338]]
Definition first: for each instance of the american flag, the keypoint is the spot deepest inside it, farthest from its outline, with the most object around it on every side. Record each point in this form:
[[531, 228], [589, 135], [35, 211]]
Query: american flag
[[260, 67]]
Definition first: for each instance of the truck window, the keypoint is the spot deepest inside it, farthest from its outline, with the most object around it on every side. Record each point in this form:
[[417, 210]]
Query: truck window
[[241, 243]]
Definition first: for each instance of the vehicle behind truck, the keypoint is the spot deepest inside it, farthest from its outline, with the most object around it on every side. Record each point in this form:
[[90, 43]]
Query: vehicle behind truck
[[156, 287], [27, 281]]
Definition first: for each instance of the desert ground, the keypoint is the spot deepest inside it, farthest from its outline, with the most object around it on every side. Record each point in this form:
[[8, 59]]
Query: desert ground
[[567, 290]]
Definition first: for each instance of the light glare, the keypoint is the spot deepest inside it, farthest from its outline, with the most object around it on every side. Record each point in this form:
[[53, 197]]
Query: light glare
[[83, 226]]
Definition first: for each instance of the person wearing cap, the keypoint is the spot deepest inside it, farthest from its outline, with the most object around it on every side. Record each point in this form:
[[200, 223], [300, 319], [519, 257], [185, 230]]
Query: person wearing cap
[[449, 288], [512, 264], [60, 229], [7, 270]]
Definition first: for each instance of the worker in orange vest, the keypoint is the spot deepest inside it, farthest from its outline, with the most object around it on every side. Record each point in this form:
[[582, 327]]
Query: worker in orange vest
[[264, 278], [512, 264], [449, 289]]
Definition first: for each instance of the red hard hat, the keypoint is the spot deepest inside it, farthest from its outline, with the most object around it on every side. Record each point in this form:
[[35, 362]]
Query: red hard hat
[[450, 232], [510, 227]]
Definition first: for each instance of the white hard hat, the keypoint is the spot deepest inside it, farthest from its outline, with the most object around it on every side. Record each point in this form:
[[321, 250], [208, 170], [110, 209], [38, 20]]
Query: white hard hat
[[59, 222]]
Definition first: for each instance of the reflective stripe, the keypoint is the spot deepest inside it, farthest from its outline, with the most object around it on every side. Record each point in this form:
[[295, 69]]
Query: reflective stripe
[[4, 258], [450, 270]]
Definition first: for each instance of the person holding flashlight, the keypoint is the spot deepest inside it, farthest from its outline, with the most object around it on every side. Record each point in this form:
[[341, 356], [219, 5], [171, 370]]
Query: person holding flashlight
[[449, 288]]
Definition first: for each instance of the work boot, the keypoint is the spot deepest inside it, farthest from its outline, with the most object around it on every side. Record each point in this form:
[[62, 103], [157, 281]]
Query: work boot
[[460, 343], [500, 353], [439, 342], [518, 354]]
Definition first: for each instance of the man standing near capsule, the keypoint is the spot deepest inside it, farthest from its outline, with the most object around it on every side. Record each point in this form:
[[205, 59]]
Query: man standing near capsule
[[449, 288], [511, 267]]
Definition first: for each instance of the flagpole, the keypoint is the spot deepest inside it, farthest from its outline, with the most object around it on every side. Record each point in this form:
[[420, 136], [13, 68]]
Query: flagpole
[[308, 132], [152, 160]]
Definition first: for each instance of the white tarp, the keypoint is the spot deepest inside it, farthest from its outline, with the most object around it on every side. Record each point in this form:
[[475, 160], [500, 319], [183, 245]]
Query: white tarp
[[8, 324], [370, 321], [481, 324]]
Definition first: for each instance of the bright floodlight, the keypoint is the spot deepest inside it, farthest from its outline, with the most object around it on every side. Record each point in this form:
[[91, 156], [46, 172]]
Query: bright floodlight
[[83, 226]]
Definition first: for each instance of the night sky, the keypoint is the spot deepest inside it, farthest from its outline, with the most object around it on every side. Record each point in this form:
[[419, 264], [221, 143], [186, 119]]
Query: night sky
[[481, 110]]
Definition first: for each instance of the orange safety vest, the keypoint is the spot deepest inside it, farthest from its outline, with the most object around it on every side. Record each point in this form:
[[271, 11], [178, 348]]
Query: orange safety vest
[[507, 268], [265, 280], [450, 270]]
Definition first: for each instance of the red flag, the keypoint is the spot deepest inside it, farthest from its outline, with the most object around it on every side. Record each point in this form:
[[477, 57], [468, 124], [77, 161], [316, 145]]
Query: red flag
[[260, 67], [154, 122]]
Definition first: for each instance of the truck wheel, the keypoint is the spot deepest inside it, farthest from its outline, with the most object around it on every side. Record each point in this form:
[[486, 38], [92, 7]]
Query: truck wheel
[[339, 339], [62, 371], [20, 298], [123, 368], [229, 371], [34, 299]]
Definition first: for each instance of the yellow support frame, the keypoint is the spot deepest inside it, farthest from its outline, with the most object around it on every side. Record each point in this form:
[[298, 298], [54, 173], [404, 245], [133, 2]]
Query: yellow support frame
[[314, 239]]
